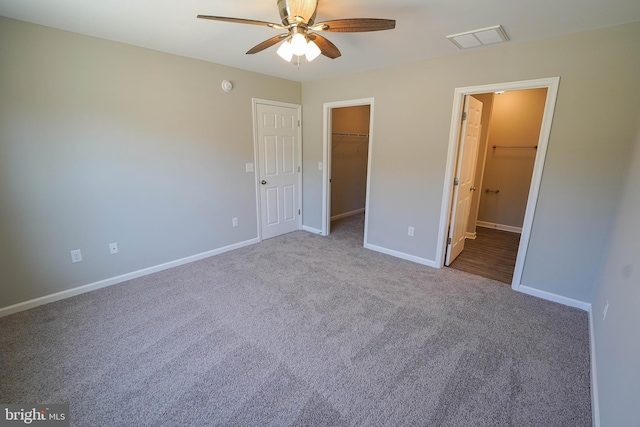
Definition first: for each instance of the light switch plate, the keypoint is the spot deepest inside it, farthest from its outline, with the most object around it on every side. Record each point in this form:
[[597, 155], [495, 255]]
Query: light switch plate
[[248, 167]]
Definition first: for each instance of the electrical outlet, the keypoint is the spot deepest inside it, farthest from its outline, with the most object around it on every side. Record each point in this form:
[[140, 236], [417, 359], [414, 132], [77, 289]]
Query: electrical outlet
[[234, 222], [604, 311], [76, 255], [411, 231], [113, 248]]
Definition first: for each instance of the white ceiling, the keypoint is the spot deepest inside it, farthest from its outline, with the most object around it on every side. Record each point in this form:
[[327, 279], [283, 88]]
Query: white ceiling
[[171, 26]]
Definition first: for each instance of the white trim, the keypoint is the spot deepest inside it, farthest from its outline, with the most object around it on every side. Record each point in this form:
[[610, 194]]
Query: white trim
[[595, 400], [5, 311], [551, 84], [254, 111], [298, 108], [401, 255], [554, 297], [326, 160], [502, 227], [326, 167], [311, 230], [368, 190], [347, 214], [471, 236]]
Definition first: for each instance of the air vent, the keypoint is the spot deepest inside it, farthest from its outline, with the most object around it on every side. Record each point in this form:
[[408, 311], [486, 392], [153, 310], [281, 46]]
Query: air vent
[[481, 37]]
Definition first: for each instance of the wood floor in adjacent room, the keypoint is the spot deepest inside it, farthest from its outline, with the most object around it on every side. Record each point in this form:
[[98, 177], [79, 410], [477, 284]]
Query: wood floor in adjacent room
[[492, 254]]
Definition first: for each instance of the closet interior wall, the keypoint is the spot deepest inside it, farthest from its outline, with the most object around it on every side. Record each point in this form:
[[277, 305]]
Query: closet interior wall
[[349, 156]]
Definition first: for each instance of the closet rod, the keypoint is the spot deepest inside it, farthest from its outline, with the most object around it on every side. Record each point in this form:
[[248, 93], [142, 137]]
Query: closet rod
[[535, 147], [349, 134]]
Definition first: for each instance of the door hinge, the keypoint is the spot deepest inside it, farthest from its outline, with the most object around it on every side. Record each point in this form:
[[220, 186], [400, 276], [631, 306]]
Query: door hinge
[[299, 212], [456, 181], [464, 116], [298, 168], [298, 123], [449, 241]]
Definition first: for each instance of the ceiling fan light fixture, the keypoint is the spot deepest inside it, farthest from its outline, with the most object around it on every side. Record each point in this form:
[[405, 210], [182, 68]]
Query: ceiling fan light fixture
[[299, 44], [312, 51], [285, 51], [301, 38]]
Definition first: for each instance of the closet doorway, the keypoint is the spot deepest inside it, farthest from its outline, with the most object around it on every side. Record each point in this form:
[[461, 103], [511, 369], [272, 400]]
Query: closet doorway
[[346, 168], [510, 123], [527, 212]]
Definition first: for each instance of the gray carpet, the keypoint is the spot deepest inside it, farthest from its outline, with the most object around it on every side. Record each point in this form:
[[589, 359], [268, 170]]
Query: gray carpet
[[302, 330]]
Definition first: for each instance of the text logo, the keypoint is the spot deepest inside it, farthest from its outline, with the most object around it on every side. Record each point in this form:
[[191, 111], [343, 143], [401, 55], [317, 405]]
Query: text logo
[[34, 415]]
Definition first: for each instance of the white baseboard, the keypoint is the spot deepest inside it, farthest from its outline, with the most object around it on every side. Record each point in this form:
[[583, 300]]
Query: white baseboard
[[471, 236], [595, 401], [311, 230], [5, 311], [554, 297], [401, 255], [346, 214], [502, 227]]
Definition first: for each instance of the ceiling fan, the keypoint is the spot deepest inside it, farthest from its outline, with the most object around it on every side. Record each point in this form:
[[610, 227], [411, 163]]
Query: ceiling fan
[[301, 36]]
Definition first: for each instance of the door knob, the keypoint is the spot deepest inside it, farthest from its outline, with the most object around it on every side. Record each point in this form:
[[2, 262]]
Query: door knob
[[263, 182]]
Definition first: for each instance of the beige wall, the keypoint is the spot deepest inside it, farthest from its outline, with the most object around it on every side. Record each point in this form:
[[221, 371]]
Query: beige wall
[[487, 104], [591, 137], [349, 156], [617, 338], [515, 121], [103, 142]]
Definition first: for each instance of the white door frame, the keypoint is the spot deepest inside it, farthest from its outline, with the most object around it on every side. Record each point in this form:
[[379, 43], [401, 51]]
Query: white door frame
[[326, 161], [551, 84], [258, 165]]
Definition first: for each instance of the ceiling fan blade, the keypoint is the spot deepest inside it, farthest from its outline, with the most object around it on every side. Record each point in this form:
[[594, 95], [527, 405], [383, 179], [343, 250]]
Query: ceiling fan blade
[[355, 25], [327, 48], [242, 21], [267, 43]]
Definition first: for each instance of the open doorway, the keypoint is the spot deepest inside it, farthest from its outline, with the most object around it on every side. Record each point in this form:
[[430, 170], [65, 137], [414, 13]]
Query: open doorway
[[347, 144], [349, 161], [456, 149], [507, 144]]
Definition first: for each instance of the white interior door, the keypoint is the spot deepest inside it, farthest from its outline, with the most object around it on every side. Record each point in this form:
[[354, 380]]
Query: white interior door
[[279, 168], [464, 178]]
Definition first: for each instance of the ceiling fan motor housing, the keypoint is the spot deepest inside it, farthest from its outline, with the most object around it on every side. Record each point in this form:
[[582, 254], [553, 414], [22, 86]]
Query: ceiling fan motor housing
[[297, 11]]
